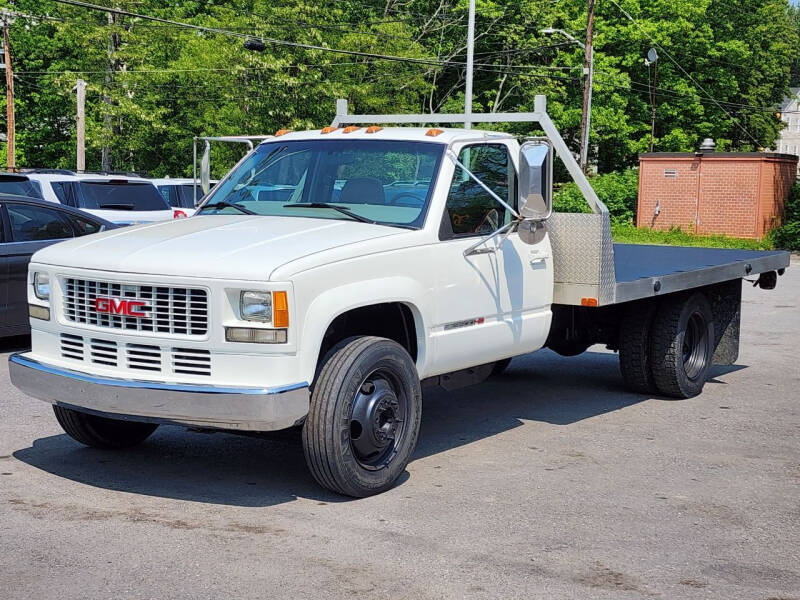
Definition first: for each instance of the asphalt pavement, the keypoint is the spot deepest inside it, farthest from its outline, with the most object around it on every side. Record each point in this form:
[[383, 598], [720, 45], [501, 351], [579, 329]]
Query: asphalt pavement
[[549, 482]]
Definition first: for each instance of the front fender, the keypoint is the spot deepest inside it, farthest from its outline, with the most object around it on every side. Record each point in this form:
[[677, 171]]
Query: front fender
[[336, 301]]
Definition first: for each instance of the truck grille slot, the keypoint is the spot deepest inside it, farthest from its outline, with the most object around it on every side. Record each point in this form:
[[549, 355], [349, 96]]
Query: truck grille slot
[[171, 310], [146, 358], [103, 352], [71, 346], [191, 361]]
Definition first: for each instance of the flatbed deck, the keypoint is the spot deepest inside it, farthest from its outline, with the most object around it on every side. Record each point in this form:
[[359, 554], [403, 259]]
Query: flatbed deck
[[643, 271]]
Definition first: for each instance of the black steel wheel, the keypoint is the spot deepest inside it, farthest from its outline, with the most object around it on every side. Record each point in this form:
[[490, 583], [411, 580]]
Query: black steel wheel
[[364, 417], [102, 432], [682, 345]]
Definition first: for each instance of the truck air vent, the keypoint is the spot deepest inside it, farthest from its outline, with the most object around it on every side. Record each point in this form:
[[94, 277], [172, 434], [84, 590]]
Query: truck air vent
[[134, 307], [103, 352], [71, 346], [145, 358], [191, 361]]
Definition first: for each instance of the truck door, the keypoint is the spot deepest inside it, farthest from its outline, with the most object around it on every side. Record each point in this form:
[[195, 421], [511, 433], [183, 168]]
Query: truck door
[[496, 304]]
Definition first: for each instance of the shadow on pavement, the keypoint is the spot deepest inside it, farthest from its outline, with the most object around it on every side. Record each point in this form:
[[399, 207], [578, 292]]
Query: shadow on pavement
[[236, 470]]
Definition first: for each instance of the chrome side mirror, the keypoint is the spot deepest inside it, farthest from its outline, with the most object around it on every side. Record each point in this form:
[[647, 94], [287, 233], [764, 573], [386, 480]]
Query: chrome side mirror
[[536, 179]]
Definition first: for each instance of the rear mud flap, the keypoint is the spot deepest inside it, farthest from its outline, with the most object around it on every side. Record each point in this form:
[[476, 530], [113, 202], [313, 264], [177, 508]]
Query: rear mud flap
[[726, 304]]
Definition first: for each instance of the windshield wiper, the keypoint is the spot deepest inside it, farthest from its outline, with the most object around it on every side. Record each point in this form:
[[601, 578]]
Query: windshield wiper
[[238, 207], [341, 209]]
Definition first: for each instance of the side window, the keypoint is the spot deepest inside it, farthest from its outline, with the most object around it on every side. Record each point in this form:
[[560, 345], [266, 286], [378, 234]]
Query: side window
[[65, 192], [164, 191], [470, 209], [36, 223], [83, 227]]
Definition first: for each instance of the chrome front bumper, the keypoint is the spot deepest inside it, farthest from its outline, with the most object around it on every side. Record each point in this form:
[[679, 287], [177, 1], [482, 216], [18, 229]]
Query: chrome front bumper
[[241, 408]]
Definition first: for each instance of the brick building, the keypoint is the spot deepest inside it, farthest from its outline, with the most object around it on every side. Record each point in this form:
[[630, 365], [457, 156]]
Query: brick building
[[740, 194]]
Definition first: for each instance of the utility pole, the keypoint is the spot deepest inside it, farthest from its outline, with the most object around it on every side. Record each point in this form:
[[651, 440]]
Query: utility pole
[[470, 58], [588, 72], [11, 162], [81, 127]]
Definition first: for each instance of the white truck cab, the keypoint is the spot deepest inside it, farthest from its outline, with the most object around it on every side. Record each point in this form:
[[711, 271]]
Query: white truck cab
[[122, 199], [334, 272]]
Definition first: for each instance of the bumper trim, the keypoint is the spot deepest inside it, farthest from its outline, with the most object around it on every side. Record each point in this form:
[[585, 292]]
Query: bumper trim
[[242, 408]]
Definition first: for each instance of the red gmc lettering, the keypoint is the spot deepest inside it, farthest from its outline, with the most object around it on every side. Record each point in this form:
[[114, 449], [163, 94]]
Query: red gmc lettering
[[117, 306]]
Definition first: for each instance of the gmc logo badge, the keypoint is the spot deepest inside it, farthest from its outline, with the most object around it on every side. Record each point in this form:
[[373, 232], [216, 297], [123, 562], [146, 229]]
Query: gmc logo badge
[[118, 306]]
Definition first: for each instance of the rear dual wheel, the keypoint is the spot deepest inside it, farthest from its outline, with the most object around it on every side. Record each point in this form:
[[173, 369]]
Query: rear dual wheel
[[668, 347]]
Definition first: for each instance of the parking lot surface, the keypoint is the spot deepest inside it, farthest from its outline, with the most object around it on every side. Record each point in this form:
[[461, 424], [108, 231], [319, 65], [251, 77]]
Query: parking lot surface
[[548, 482]]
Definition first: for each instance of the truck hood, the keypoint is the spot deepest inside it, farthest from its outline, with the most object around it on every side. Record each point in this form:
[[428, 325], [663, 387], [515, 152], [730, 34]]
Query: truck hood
[[213, 246]]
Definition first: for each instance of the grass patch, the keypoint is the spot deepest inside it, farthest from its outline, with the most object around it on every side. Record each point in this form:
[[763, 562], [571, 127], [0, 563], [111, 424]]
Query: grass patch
[[628, 234]]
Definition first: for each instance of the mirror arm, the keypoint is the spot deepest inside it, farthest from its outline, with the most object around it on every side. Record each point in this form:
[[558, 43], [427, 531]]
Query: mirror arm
[[472, 176], [476, 249]]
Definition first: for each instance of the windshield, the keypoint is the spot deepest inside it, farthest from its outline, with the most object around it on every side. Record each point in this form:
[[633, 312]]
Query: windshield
[[110, 195], [20, 186], [388, 182]]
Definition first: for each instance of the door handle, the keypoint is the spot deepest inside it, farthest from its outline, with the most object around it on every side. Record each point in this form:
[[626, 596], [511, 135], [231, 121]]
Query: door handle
[[536, 255]]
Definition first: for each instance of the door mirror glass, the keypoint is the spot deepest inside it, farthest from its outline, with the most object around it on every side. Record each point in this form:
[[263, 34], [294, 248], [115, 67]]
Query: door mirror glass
[[536, 180]]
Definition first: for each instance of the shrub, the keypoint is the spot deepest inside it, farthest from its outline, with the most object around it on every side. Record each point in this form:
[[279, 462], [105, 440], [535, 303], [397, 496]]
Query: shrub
[[787, 236], [618, 191]]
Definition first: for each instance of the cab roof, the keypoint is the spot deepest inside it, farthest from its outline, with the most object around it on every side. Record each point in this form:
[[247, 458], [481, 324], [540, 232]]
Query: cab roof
[[447, 136]]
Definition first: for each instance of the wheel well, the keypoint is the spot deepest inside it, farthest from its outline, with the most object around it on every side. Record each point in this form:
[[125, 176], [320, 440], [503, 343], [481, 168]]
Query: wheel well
[[392, 320]]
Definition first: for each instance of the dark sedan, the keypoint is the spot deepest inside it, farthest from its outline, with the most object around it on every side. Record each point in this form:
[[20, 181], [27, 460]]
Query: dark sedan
[[26, 225]]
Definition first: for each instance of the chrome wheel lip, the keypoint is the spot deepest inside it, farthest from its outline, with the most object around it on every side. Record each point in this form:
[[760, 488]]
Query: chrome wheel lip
[[376, 424], [694, 346]]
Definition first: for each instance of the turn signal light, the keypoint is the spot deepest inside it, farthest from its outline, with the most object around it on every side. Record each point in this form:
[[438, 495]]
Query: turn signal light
[[374, 128], [434, 132], [351, 129], [588, 301], [280, 309], [328, 129], [255, 336], [39, 312], [281, 132]]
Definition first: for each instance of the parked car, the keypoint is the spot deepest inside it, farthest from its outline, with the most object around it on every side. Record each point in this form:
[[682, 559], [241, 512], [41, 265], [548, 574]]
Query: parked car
[[181, 194], [27, 225], [122, 199]]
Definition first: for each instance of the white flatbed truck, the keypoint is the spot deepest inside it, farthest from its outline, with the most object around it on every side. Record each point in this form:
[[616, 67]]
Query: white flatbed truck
[[331, 274]]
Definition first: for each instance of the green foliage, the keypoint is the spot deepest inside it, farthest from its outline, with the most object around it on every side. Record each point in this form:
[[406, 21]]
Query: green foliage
[[787, 236], [629, 234], [153, 86], [618, 191]]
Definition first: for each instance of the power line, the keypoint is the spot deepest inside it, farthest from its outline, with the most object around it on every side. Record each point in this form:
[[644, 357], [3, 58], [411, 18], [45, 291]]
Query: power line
[[684, 71]]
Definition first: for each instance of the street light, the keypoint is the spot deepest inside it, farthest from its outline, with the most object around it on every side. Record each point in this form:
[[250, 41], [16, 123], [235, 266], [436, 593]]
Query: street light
[[588, 72]]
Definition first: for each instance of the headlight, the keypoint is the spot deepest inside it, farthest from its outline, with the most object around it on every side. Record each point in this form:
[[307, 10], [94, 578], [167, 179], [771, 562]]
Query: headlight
[[41, 286], [256, 306]]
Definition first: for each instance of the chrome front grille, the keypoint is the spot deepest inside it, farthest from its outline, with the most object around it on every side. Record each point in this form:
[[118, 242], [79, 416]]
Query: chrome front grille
[[139, 357], [169, 310]]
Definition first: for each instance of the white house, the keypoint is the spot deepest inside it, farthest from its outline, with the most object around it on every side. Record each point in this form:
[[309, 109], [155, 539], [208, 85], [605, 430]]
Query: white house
[[789, 140]]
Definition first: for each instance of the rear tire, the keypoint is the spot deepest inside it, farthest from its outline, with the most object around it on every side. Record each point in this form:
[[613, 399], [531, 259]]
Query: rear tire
[[364, 417], [102, 432], [634, 349], [682, 345]]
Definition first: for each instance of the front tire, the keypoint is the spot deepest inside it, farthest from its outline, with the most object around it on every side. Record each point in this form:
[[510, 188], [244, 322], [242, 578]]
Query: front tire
[[364, 417], [102, 432], [682, 346]]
